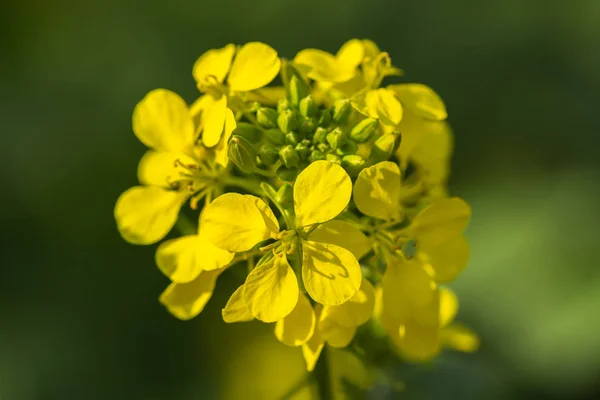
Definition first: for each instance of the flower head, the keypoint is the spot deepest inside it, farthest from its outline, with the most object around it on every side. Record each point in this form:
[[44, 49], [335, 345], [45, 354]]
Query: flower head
[[331, 189]]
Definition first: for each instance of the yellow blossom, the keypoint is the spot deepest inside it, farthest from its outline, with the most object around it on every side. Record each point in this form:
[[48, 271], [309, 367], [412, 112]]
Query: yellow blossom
[[224, 74], [173, 170]]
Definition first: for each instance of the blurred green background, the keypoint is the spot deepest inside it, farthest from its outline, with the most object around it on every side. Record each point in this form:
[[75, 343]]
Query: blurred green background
[[79, 316]]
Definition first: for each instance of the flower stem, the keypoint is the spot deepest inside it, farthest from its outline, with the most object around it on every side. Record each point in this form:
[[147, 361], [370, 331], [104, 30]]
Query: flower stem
[[322, 377]]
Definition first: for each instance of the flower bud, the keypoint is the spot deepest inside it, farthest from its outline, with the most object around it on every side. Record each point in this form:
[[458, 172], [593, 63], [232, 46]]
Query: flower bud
[[349, 148], [282, 105], [364, 130], [292, 138], [336, 138], [308, 107], [287, 121], [275, 137], [308, 125], [316, 155], [266, 117], [324, 119], [303, 149], [353, 164], [268, 154], [323, 147], [287, 174], [384, 147], [333, 158], [320, 135], [341, 111], [298, 89], [242, 154], [248, 131], [285, 196], [289, 156]]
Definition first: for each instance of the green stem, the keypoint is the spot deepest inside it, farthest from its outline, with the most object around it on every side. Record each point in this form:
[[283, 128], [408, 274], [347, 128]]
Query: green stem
[[322, 377], [249, 185]]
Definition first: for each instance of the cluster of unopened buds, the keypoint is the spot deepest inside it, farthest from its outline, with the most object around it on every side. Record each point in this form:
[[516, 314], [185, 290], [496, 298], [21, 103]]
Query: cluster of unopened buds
[[329, 190]]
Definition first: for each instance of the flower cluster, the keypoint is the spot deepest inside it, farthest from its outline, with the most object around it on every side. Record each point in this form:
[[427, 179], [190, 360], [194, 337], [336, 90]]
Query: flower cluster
[[331, 188]]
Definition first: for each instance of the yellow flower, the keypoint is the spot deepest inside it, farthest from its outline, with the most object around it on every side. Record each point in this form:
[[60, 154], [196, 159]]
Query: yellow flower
[[330, 273], [358, 64], [421, 335], [223, 78], [193, 265], [173, 170]]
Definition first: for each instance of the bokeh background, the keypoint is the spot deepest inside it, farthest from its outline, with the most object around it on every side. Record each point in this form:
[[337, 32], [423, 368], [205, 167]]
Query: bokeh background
[[79, 316]]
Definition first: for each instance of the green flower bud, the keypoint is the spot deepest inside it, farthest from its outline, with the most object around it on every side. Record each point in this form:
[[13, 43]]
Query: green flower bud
[[303, 149], [316, 155], [349, 148], [292, 138], [266, 117], [287, 121], [336, 138], [353, 164], [308, 107], [248, 131], [333, 158], [320, 135], [308, 125], [384, 147], [285, 196], [268, 154], [242, 154], [324, 118], [341, 111], [323, 147], [282, 105], [287, 174], [275, 137], [298, 89], [364, 130], [289, 156]]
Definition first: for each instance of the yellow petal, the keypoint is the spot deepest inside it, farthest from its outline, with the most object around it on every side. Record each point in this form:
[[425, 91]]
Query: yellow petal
[[342, 234], [157, 168], [379, 103], [331, 273], [221, 156], [447, 216], [406, 285], [268, 216], [322, 191], [213, 120], [418, 343], [267, 96], [448, 306], [351, 54], [299, 325], [271, 290], [377, 191], [323, 67], [256, 65], [236, 309], [145, 214], [421, 100], [233, 222], [355, 311], [433, 151], [448, 255], [334, 334], [212, 66], [178, 258], [311, 350], [186, 300], [459, 337], [162, 121]]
